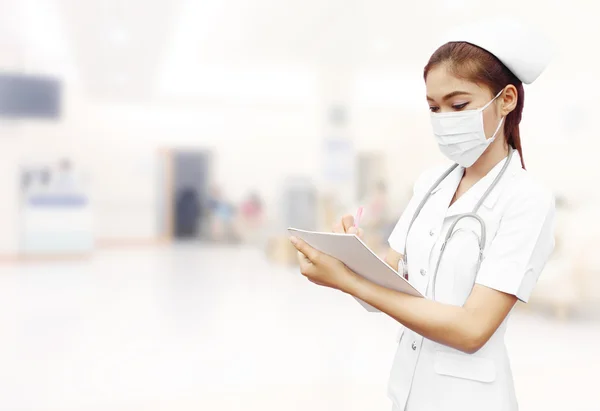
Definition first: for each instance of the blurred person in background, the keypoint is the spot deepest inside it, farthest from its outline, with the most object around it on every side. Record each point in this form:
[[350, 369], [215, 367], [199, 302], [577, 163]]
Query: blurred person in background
[[251, 217], [375, 218], [188, 213], [474, 237], [222, 214], [377, 207]]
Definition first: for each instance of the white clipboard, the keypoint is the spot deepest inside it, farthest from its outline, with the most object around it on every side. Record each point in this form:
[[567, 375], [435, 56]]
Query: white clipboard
[[350, 250]]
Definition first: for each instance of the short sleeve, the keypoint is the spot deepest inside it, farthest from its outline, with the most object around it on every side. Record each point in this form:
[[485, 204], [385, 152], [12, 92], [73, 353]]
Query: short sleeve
[[397, 239], [522, 245]]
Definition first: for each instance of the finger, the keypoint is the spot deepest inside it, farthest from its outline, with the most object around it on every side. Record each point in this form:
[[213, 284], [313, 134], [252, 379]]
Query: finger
[[305, 249], [307, 269], [360, 232], [347, 222], [352, 230], [306, 266], [339, 228], [302, 259]]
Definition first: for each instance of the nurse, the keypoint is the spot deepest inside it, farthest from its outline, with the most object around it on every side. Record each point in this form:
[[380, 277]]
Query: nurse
[[487, 218]]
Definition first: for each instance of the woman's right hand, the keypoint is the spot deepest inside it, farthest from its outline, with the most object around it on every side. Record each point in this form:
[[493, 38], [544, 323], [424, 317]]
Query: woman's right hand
[[346, 226]]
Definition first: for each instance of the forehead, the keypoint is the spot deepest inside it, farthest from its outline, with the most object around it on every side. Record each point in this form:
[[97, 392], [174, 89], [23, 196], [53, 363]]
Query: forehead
[[440, 82]]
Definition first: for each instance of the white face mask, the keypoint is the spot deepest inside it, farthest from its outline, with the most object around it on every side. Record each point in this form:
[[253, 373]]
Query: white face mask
[[461, 135]]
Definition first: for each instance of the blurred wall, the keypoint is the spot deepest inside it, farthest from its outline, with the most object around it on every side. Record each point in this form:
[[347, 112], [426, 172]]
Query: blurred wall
[[259, 141], [257, 146]]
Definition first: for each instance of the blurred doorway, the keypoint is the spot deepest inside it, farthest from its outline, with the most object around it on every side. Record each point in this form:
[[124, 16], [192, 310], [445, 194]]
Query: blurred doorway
[[190, 193]]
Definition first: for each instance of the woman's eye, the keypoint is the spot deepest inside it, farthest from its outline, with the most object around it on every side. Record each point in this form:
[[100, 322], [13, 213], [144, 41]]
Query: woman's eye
[[459, 106], [434, 109]]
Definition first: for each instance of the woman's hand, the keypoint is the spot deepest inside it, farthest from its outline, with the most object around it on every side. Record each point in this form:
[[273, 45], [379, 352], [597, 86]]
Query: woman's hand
[[321, 268], [346, 226]]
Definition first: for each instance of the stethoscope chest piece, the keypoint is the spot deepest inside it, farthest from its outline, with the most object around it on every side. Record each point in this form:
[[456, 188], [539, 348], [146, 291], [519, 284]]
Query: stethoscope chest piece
[[403, 268]]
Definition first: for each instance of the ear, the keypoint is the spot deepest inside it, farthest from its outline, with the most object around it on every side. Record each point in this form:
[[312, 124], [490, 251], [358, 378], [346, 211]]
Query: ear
[[509, 99]]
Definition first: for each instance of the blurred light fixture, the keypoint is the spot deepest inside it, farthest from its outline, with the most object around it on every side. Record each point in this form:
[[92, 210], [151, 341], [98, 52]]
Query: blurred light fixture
[[42, 29], [247, 84]]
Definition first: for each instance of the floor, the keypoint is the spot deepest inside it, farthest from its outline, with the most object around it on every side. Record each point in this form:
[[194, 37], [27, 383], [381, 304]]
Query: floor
[[199, 328]]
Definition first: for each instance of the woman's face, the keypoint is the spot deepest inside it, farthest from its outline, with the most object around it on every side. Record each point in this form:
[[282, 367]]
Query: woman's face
[[447, 93]]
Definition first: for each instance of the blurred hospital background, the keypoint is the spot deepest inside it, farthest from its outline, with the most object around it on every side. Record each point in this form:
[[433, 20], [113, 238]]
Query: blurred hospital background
[[153, 152]]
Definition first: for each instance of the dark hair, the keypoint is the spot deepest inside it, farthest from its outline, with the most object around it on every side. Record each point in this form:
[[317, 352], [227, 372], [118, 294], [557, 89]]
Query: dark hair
[[480, 66]]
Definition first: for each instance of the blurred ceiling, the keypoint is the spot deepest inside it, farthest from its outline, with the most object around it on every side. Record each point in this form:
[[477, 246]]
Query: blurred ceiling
[[136, 50], [118, 45]]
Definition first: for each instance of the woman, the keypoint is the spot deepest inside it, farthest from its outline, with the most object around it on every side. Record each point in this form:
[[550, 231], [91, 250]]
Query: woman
[[451, 353]]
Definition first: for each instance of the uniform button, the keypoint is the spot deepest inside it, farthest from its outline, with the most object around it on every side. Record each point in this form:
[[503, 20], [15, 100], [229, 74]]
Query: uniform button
[[414, 346], [423, 272], [431, 232]]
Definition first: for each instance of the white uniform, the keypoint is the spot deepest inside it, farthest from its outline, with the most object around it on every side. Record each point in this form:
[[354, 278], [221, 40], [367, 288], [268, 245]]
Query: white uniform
[[519, 218]]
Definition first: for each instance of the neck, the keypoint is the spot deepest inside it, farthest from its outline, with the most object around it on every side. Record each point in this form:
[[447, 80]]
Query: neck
[[495, 153]]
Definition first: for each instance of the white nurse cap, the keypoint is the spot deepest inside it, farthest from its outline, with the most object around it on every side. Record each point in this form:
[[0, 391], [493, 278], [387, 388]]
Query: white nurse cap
[[525, 52]]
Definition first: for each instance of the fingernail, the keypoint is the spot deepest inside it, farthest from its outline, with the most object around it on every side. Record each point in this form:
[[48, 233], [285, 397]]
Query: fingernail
[[294, 240]]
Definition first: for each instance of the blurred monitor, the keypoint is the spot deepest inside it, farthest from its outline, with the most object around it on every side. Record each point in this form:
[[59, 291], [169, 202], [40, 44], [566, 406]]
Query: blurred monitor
[[24, 96]]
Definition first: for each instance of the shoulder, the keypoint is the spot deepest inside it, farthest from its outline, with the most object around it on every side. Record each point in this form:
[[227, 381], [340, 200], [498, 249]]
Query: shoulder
[[528, 194]]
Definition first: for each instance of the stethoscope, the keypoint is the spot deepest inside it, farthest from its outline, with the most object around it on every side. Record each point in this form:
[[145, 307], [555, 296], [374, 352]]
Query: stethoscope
[[450, 233]]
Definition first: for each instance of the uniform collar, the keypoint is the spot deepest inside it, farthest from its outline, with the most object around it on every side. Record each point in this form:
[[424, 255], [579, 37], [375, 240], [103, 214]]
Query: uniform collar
[[468, 200]]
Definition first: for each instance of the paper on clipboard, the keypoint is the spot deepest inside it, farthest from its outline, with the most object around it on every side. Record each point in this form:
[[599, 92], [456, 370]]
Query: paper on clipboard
[[350, 250]]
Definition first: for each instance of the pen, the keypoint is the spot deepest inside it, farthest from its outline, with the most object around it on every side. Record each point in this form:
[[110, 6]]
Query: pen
[[358, 216]]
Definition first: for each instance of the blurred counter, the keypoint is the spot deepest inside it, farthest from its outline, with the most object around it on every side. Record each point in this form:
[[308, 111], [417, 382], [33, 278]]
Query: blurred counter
[[56, 224]]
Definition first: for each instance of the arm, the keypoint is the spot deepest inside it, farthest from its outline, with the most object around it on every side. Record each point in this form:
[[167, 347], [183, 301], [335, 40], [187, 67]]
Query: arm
[[509, 272], [465, 328], [512, 265], [514, 261]]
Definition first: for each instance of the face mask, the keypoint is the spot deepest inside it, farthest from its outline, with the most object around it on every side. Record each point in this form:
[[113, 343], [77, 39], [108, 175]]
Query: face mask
[[461, 136]]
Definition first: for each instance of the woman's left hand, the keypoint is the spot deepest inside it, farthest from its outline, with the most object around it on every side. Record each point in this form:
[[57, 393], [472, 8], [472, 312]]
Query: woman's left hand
[[322, 269]]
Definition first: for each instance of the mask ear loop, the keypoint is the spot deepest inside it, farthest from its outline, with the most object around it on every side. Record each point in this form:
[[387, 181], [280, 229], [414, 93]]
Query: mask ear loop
[[491, 101], [497, 129], [501, 120]]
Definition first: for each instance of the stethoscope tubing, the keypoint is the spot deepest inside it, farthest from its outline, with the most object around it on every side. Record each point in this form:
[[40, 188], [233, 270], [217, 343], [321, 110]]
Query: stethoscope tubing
[[450, 233]]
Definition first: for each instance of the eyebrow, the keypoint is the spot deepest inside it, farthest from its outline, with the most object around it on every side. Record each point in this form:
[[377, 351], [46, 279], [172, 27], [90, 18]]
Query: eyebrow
[[453, 94]]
